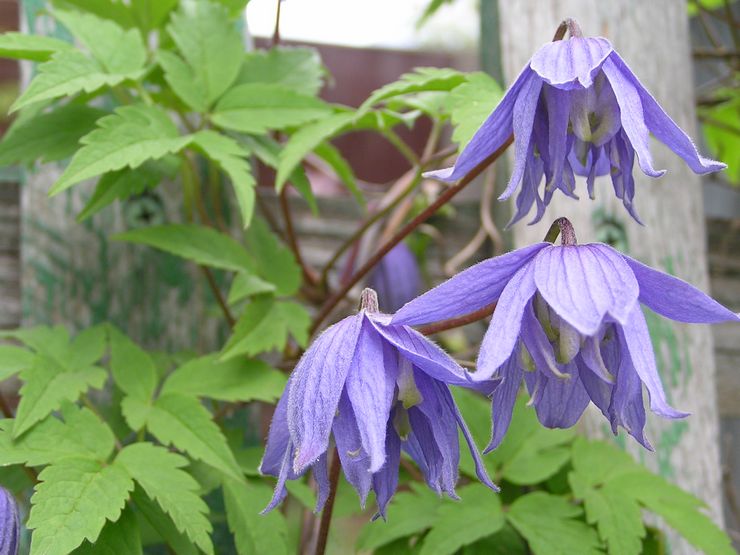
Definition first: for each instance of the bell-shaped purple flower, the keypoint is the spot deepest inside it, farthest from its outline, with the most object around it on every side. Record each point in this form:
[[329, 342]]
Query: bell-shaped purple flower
[[10, 525], [568, 321], [575, 109], [396, 278], [378, 389]]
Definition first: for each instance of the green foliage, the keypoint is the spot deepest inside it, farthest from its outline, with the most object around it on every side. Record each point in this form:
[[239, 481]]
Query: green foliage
[[471, 103], [30, 47], [721, 125], [121, 537], [298, 69]]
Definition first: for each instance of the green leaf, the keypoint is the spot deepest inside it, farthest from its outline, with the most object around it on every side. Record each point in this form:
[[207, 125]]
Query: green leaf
[[598, 462], [52, 341], [49, 136], [160, 475], [331, 155], [547, 523], [67, 73], [504, 542], [305, 140], [471, 103], [721, 126], [117, 538], [618, 519], [247, 285], [408, 514], [180, 76], [240, 379], [133, 369], [432, 7], [200, 244], [532, 465], [114, 10], [679, 509], [127, 138], [13, 359], [80, 434], [182, 421], [232, 158], [420, 80], [210, 44], [151, 14], [274, 261], [153, 516], [47, 384], [37, 48], [118, 50], [459, 524], [72, 502], [254, 533], [257, 108], [265, 325], [298, 69]]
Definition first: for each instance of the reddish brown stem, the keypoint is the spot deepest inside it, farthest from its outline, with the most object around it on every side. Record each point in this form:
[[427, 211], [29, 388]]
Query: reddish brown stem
[[323, 534], [219, 297], [463, 320], [308, 274]]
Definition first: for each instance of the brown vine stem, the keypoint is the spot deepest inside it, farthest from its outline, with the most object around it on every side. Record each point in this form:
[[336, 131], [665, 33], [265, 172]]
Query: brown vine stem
[[308, 273], [443, 199], [463, 320], [219, 296], [323, 534]]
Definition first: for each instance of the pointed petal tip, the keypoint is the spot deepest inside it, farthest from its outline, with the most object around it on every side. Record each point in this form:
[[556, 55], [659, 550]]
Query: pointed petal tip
[[669, 412], [444, 174]]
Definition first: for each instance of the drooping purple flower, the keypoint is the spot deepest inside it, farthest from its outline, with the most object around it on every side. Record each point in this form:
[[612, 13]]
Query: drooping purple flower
[[568, 321], [575, 109], [10, 525], [377, 388], [396, 278]]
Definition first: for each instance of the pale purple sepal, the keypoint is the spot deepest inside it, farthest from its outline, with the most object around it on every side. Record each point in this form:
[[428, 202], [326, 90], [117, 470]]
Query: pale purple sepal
[[10, 525], [396, 278], [572, 63]]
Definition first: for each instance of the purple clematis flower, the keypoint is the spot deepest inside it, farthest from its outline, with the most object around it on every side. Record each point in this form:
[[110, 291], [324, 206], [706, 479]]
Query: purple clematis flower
[[378, 389], [10, 526], [396, 278], [575, 109], [568, 321]]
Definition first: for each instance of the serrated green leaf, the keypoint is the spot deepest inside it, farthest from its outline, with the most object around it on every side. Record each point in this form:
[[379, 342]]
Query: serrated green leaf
[[52, 341], [117, 538], [80, 434], [458, 524], [331, 155], [618, 519], [182, 421], [274, 260], [305, 140], [408, 514], [233, 159], [180, 76], [47, 385], [118, 50], [421, 79], [257, 108], [254, 533], [298, 69], [471, 103], [114, 10], [265, 325], [160, 475], [680, 509], [49, 136], [210, 44], [37, 48], [240, 379], [598, 462], [548, 524], [200, 244], [13, 359], [67, 73], [135, 412], [532, 466], [721, 126], [72, 502], [133, 369], [151, 14], [247, 285], [154, 517], [127, 138]]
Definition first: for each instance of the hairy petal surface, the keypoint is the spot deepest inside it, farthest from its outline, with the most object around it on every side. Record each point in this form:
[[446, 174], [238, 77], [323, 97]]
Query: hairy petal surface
[[355, 460], [561, 401], [571, 63], [385, 481], [503, 400]]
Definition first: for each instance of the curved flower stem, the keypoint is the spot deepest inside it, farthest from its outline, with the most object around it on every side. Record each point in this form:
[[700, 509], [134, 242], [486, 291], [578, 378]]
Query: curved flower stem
[[564, 228], [443, 199], [405, 150], [323, 534], [308, 274], [219, 296], [463, 320], [567, 25]]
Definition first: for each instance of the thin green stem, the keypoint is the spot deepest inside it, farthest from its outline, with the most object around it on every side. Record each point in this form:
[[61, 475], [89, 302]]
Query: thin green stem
[[405, 150]]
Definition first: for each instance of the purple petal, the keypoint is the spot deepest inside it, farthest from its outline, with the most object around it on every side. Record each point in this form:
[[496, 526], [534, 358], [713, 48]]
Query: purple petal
[[503, 331], [625, 87], [676, 299], [470, 290], [560, 402], [503, 400], [396, 279], [315, 387], [370, 384], [626, 406], [571, 63], [664, 128], [537, 344], [584, 283], [385, 481], [285, 473], [525, 109], [634, 334], [598, 390], [491, 135], [422, 446], [355, 460], [10, 526], [593, 359], [321, 477], [558, 112], [278, 438]]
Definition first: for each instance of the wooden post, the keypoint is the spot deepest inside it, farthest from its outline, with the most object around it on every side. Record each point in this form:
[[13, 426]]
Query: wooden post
[[653, 39]]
